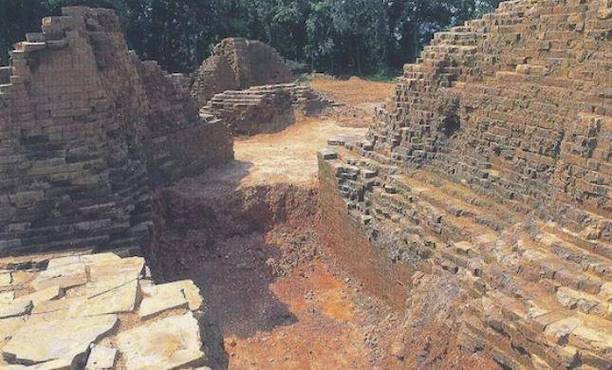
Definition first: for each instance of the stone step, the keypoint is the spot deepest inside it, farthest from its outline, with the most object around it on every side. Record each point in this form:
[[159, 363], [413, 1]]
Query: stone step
[[456, 198], [573, 253], [241, 93], [478, 337], [537, 263], [598, 247], [590, 304], [235, 100], [57, 44], [529, 299], [438, 217], [29, 47], [549, 318], [35, 37], [231, 104]]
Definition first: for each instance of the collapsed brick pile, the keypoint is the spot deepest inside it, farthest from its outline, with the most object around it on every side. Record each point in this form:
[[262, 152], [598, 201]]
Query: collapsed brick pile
[[77, 311], [237, 64], [491, 168], [264, 109], [86, 131]]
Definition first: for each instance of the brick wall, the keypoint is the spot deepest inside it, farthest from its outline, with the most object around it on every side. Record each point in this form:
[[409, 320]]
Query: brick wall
[[489, 169], [238, 63], [343, 233], [517, 104], [77, 123]]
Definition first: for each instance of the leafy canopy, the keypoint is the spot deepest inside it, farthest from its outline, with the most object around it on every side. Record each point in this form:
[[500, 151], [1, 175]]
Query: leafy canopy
[[334, 36]]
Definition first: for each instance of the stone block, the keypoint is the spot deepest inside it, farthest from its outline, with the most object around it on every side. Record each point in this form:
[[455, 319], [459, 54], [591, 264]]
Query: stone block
[[170, 343], [46, 341]]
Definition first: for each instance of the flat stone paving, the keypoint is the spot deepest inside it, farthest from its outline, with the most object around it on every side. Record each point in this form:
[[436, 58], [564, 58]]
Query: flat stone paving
[[95, 311]]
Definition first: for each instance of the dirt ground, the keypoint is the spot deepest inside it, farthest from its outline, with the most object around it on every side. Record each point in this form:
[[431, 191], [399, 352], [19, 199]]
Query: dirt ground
[[354, 91], [357, 98], [274, 299], [288, 157], [247, 235]]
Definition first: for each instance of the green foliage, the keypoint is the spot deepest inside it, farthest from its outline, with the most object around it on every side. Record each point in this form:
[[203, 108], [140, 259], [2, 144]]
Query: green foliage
[[17, 17], [365, 37]]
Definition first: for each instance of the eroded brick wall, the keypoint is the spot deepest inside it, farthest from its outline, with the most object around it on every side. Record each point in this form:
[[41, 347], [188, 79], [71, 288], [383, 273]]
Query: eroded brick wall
[[85, 130], [489, 170], [264, 109], [239, 63], [516, 103], [214, 76]]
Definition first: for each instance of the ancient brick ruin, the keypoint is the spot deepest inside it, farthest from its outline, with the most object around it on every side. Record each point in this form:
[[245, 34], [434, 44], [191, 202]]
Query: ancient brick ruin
[[237, 64], [478, 205], [87, 131], [490, 172], [246, 85], [263, 109]]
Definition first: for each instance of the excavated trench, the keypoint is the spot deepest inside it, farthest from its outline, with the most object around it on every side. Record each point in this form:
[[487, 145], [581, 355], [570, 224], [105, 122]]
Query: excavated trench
[[273, 298], [234, 245], [279, 292]]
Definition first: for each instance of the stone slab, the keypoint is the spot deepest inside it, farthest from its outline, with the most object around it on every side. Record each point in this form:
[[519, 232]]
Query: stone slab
[[86, 259], [115, 295], [101, 358], [44, 295], [132, 268], [5, 279], [47, 341], [18, 307], [170, 343], [8, 327], [186, 288], [191, 292], [161, 298], [65, 276], [60, 309], [6, 297]]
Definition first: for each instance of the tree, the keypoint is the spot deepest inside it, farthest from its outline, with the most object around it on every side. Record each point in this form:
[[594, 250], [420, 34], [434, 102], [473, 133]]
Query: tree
[[17, 17], [335, 36]]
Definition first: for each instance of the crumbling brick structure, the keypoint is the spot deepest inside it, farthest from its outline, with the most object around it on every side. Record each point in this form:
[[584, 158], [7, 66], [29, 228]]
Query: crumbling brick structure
[[490, 169], [86, 131], [264, 109], [237, 64]]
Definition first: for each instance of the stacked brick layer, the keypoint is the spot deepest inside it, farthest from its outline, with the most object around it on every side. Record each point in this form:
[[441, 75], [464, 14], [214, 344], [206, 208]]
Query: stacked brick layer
[[491, 167], [86, 130], [263, 109], [518, 105]]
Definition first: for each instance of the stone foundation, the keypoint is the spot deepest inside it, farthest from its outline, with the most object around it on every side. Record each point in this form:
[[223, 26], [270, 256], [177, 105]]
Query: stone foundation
[[77, 311]]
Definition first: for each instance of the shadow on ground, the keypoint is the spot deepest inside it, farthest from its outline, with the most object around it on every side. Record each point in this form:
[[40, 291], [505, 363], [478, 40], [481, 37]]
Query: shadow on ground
[[211, 231]]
